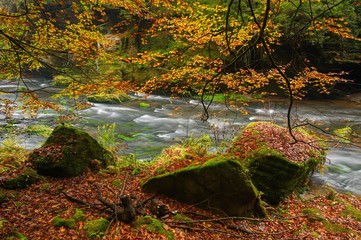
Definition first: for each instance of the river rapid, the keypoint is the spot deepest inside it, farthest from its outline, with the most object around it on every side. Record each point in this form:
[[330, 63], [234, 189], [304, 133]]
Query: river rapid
[[145, 131]]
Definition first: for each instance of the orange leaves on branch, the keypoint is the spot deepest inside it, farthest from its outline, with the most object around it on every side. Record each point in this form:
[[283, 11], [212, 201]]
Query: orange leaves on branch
[[32, 104], [338, 26], [311, 77]]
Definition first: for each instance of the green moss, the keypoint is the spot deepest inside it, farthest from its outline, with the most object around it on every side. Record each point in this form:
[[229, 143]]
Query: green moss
[[2, 221], [117, 183], [334, 227], [39, 130], [271, 172], [344, 133], [275, 176], [70, 222], [79, 215], [116, 97], [221, 184], [61, 222], [144, 105], [353, 212], [221, 98], [313, 214], [61, 80], [28, 177], [18, 235], [181, 218], [153, 225], [68, 152], [315, 234], [126, 138], [96, 228]]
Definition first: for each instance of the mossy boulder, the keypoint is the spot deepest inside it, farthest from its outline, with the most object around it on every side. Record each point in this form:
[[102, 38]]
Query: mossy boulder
[[153, 225], [278, 164], [68, 152], [220, 185]]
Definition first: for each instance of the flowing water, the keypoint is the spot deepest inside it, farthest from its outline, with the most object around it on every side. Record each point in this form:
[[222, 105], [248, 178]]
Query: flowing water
[[167, 121]]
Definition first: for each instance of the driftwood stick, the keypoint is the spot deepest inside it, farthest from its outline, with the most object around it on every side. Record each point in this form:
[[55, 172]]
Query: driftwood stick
[[73, 199], [110, 205]]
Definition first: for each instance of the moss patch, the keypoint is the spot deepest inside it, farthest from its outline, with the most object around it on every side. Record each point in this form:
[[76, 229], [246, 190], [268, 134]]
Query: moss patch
[[28, 177], [70, 222], [39, 130], [144, 105], [68, 152], [153, 225], [314, 214], [96, 228], [109, 97], [344, 133], [353, 212], [220, 185]]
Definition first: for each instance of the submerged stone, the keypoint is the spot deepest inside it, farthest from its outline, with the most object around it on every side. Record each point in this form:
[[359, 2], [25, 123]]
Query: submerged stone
[[220, 185], [277, 164], [68, 152]]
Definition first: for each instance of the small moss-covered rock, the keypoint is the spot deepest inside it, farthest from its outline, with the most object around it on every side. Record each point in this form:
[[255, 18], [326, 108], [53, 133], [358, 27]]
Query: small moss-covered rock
[[344, 134], [109, 97], [352, 211], [220, 185], [144, 105], [96, 228], [153, 225], [79, 215], [40, 130], [313, 214], [277, 164], [70, 222], [28, 177], [68, 152], [61, 222]]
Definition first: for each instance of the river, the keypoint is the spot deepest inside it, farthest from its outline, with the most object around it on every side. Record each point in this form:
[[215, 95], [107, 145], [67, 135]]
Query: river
[[166, 121]]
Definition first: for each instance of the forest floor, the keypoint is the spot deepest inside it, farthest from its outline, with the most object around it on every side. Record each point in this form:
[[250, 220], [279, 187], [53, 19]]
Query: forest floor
[[321, 213]]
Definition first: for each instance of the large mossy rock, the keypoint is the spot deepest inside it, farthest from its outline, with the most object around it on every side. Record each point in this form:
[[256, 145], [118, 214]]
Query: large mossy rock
[[68, 152], [220, 185], [277, 164]]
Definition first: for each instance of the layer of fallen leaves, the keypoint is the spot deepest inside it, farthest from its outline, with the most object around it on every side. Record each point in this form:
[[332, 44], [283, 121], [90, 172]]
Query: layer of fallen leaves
[[31, 211], [175, 158], [297, 148]]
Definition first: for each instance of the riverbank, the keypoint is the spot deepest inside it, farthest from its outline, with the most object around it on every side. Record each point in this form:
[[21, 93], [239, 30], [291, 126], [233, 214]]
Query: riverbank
[[321, 213]]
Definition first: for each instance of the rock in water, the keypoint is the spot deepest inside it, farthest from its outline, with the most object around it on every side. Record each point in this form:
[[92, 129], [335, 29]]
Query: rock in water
[[68, 152], [220, 185]]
